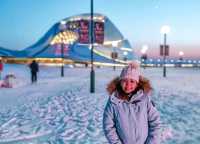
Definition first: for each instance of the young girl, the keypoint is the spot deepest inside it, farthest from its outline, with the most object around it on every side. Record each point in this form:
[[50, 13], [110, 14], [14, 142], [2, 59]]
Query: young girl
[[129, 116]]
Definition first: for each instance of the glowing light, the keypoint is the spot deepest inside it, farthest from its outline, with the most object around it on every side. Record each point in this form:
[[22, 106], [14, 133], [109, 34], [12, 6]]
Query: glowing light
[[66, 37], [62, 25], [115, 43], [181, 53], [125, 53], [165, 29], [126, 49], [144, 49], [110, 42], [62, 22]]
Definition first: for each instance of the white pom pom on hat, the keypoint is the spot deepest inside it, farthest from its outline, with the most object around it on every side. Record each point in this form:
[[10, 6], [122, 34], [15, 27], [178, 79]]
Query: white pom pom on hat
[[131, 71]]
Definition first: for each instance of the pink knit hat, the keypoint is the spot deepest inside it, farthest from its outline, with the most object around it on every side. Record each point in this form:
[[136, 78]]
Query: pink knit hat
[[131, 72]]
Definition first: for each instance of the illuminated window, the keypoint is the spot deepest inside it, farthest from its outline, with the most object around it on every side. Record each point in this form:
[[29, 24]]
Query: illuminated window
[[65, 37]]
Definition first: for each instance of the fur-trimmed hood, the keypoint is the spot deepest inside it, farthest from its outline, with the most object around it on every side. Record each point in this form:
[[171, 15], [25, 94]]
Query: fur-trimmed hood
[[143, 84]]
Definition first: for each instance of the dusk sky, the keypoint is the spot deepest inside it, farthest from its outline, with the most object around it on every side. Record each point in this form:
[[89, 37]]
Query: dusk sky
[[24, 22]]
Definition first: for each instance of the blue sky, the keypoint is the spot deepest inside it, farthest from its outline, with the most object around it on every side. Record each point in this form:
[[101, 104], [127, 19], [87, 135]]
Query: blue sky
[[23, 22]]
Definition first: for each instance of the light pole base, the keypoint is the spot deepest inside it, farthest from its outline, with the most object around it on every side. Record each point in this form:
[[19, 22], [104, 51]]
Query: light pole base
[[92, 81], [114, 67], [62, 71], [164, 71]]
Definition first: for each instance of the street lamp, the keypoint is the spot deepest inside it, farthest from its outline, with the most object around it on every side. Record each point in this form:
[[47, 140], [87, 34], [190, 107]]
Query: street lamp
[[92, 73], [144, 54], [181, 53], [114, 54], [164, 49], [62, 28]]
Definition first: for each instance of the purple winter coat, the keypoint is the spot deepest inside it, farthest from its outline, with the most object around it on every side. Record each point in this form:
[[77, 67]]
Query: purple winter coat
[[131, 122]]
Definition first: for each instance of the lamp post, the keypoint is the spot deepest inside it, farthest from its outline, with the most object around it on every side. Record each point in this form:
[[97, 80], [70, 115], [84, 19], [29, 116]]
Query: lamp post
[[92, 73], [62, 28], [181, 53], [114, 54], [164, 48], [144, 54]]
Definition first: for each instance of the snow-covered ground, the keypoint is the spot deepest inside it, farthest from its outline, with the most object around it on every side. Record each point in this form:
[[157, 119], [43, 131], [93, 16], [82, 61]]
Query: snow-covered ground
[[61, 110]]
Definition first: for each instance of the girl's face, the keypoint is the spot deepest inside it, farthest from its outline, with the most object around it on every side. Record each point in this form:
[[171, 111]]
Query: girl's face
[[128, 85]]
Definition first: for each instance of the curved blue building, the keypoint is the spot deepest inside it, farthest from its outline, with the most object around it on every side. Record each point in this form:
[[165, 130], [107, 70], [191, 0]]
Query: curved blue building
[[71, 38]]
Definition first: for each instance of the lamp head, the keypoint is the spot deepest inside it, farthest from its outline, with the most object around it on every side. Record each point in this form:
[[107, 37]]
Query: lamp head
[[165, 29]]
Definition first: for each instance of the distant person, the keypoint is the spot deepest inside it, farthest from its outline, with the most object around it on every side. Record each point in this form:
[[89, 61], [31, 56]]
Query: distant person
[[1, 68], [129, 116], [34, 69]]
